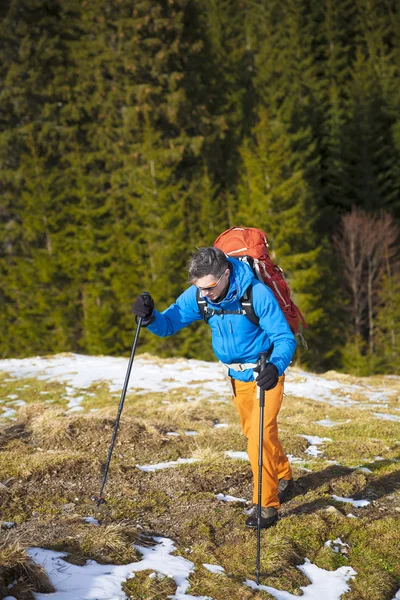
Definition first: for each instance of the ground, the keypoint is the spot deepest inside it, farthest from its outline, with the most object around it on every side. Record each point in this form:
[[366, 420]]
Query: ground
[[53, 454]]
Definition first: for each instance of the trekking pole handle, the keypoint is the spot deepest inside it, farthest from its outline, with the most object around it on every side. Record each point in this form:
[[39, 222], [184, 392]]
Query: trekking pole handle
[[264, 356], [145, 295], [263, 360]]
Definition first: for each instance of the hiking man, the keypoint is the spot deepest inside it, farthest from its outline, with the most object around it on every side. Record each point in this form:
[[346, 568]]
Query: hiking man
[[238, 343]]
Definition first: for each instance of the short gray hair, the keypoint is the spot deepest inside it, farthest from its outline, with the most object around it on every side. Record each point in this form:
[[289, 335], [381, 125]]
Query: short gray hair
[[208, 261]]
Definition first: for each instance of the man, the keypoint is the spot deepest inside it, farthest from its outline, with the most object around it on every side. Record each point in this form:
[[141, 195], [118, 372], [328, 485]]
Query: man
[[238, 343]]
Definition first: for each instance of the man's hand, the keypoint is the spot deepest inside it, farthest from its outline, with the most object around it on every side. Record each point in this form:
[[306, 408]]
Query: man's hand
[[268, 378], [144, 307]]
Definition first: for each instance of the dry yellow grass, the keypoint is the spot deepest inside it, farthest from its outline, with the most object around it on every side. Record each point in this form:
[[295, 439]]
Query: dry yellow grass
[[51, 463], [19, 575]]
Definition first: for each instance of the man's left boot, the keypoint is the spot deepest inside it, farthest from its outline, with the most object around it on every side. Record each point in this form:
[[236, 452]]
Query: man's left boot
[[269, 516], [285, 489]]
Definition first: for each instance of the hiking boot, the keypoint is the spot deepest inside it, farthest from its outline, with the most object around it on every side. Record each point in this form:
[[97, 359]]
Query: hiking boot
[[269, 516], [285, 489]]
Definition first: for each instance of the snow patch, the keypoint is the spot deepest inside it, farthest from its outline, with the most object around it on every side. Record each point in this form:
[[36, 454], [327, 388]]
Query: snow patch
[[336, 545], [328, 423], [215, 569], [166, 465], [329, 585], [91, 520], [315, 440], [229, 498], [355, 503], [8, 413], [386, 417], [238, 455], [79, 372], [336, 393], [103, 582]]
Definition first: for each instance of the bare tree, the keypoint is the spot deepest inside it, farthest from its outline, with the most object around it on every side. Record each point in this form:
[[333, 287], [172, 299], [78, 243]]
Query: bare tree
[[367, 245], [381, 233], [352, 247]]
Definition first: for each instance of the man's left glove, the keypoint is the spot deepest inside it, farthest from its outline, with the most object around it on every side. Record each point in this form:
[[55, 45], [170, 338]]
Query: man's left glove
[[268, 378], [144, 307]]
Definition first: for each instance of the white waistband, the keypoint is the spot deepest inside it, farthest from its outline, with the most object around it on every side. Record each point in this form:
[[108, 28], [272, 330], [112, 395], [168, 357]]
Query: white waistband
[[241, 366]]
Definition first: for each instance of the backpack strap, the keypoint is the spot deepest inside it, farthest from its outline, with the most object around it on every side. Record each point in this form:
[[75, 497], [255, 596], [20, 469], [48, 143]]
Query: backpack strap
[[202, 305], [246, 303]]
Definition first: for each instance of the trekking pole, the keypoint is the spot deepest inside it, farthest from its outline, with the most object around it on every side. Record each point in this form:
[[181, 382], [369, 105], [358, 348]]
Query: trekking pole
[[99, 499], [263, 362]]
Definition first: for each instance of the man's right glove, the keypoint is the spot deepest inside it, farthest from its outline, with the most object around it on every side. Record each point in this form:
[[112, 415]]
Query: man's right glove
[[268, 378], [144, 307]]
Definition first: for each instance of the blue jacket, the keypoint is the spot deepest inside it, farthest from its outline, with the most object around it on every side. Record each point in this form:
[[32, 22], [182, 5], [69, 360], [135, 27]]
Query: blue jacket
[[234, 338]]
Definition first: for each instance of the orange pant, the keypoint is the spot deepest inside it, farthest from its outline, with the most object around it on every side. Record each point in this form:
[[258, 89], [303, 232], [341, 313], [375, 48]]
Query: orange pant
[[275, 464]]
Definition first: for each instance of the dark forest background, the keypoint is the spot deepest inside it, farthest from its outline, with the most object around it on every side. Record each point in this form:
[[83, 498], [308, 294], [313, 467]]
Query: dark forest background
[[133, 131]]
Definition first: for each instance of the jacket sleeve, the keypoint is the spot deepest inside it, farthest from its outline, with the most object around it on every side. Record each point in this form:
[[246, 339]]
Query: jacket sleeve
[[273, 322], [177, 316]]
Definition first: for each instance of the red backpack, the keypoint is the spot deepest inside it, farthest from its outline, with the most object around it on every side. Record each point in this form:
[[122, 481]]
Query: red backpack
[[251, 246]]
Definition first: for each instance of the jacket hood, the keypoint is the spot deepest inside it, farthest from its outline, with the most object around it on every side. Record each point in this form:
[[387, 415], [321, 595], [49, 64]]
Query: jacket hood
[[240, 279]]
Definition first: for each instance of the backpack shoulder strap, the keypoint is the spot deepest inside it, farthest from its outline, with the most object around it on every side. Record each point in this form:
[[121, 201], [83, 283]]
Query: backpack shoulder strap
[[246, 302], [202, 305]]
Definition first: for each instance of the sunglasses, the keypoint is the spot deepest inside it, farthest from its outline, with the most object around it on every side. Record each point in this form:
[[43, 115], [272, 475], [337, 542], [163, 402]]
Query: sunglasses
[[210, 287]]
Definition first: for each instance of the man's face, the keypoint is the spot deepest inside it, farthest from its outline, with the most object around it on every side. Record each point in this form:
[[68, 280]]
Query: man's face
[[212, 287]]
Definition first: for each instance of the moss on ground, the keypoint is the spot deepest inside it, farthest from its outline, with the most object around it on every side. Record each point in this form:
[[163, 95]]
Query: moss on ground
[[51, 463]]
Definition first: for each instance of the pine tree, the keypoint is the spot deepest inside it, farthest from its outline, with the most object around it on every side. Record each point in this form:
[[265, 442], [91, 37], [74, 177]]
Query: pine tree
[[279, 164], [370, 154], [388, 339], [27, 150]]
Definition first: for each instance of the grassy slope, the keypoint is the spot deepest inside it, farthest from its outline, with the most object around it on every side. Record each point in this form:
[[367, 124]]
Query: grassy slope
[[51, 464]]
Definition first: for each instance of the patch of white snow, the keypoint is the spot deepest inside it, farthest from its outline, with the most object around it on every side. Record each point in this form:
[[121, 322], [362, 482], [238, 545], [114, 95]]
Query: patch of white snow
[[239, 455], [215, 569], [229, 498], [328, 423], [91, 520], [329, 585], [8, 413], [315, 440], [79, 372], [336, 545], [103, 582], [355, 503], [386, 417], [166, 465]]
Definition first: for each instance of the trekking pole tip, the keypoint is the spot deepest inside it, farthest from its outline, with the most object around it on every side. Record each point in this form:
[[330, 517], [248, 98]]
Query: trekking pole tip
[[98, 500]]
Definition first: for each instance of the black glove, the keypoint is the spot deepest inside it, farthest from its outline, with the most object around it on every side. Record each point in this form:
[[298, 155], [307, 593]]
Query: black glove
[[144, 307], [268, 378]]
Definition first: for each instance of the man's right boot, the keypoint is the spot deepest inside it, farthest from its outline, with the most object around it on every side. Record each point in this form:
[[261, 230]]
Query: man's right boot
[[269, 516]]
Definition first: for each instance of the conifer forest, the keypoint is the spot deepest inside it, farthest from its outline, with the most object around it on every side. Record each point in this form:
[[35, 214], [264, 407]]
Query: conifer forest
[[134, 131]]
